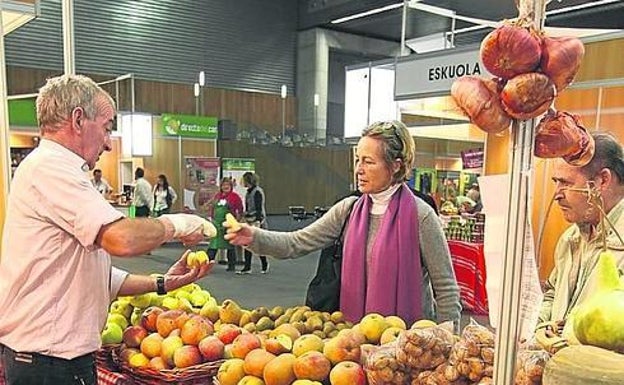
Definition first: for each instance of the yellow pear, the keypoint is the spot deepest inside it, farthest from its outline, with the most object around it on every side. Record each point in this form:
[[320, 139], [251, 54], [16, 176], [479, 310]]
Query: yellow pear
[[230, 312]]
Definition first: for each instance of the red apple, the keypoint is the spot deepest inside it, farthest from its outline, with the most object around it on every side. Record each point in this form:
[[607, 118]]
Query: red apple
[[243, 344], [228, 333], [195, 329], [347, 373], [149, 317], [166, 322], [186, 356], [342, 348], [133, 336], [211, 348]]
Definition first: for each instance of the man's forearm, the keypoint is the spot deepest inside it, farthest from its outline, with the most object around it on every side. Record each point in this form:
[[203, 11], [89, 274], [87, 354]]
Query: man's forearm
[[130, 237], [137, 284]]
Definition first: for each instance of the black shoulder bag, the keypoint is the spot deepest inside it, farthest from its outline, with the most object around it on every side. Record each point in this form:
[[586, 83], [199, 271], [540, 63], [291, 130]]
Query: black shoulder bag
[[324, 289]]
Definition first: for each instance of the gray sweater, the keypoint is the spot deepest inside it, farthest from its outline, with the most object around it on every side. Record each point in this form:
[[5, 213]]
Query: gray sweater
[[438, 275]]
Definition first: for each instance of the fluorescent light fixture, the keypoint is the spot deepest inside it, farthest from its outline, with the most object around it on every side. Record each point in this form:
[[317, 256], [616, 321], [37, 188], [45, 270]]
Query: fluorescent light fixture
[[202, 78], [367, 13], [141, 135], [15, 14], [284, 91], [196, 89], [317, 100]]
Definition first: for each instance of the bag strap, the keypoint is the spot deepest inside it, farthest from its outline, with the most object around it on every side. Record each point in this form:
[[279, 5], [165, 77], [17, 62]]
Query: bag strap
[[338, 241]]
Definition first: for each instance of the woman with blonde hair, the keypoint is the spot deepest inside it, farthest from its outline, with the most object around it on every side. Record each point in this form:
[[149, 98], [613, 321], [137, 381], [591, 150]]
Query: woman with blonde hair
[[395, 259]]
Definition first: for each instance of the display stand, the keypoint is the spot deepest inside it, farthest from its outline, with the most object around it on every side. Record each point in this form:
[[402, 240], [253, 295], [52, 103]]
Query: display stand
[[522, 139]]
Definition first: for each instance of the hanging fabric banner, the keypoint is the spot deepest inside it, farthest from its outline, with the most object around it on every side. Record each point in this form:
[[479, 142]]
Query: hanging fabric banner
[[201, 182]]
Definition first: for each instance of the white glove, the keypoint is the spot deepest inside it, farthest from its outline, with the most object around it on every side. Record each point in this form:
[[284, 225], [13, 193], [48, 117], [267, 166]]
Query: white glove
[[185, 225]]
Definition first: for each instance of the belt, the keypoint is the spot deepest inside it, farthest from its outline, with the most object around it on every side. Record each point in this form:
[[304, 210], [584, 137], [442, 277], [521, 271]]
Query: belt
[[42, 359]]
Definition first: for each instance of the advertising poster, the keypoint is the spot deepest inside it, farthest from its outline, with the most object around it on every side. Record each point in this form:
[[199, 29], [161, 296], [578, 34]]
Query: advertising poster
[[425, 180], [235, 168], [201, 182]]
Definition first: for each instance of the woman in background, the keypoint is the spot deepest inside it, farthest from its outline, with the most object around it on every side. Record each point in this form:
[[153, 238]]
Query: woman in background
[[164, 196], [225, 201]]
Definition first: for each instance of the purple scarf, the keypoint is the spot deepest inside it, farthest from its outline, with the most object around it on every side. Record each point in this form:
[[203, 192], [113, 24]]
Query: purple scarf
[[394, 282]]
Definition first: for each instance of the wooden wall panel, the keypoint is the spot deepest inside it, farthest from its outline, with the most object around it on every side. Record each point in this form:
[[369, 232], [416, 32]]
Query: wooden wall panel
[[109, 164], [602, 61], [306, 177]]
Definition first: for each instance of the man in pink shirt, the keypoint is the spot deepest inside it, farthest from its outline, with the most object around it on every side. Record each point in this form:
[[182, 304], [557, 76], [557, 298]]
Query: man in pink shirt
[[56, 277]]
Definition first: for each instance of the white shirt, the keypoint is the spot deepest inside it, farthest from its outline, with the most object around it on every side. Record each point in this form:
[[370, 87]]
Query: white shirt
[[55, 283], [161, 198], [102, 186], [143, 193]]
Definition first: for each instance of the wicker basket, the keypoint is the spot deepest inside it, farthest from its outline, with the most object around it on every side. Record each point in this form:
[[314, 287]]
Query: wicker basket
[[104, 357], [201, 374]]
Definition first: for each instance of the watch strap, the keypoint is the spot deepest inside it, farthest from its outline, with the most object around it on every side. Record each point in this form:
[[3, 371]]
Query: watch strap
[[160, 285]]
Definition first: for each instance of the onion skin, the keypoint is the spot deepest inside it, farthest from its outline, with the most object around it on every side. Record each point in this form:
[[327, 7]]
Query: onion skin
[[511, 50], [559, 134], [479, 99], [527, 96], [561, 59]]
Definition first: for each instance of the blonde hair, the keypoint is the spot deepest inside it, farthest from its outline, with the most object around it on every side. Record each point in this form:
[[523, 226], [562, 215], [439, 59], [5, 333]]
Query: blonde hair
[[62, 94], [397, 144]]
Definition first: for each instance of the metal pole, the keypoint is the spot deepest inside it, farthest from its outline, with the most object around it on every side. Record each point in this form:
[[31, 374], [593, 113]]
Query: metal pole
[[508, 328], [283, 118], [68, 36], [404, 49], [5, 162]]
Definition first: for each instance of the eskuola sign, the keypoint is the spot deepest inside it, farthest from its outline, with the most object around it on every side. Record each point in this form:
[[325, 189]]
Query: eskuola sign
[[433, 74]]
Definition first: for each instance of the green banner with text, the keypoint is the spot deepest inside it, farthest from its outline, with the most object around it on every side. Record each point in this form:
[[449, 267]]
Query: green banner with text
[[190, 126], [22, 113]]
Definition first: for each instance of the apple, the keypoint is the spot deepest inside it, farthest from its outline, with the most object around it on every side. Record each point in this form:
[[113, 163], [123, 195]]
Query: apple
[[118, 319], [312, 365], [342, 348], [372, 326], [126, 353], [141, 300], [256, 360], [139, 360], [306, 382], [151, 345], [231, 372], [228, 333], [347, 373], [112, 334], [170, 303], [279, 371], [423, 324], [390, 334], [187, 355], [243, 344], [157, 363], [279, 344], [167, 321], [306, 343], [396, 321], [211, 348], [195, 329], [122, 307], [133, 335], [149, 317], [135, 317], [168, 347]]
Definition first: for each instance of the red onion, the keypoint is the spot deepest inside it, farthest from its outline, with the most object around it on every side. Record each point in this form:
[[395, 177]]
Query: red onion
[[528, 95], [511, 50], [479, 99], [561, 59]]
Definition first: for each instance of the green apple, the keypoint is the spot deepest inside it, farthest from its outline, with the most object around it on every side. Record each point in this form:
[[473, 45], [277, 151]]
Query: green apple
[[142, 300], [183, 294], [170, 303], [118, 319], [199, 298], [121, 306], [112, 334]]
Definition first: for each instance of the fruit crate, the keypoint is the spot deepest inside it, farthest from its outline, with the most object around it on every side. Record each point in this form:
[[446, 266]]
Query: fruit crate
[[192, 375]]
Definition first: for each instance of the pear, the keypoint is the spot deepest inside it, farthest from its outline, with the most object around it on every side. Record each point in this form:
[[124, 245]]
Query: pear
[[230, 312], [283, 319], [264, 323], [135, 318], [246, 318], [210, 310], [276, 312]]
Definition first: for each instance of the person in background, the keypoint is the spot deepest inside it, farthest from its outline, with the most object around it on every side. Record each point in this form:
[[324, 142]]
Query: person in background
[[396, 260], [255, 215], [225, 201], [100, 183], [142, 199], [164, 196], [475, 195], [574, 278], [56, 276]]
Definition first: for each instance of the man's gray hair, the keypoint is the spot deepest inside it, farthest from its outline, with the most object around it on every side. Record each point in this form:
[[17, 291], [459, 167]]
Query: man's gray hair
[[60, 95]]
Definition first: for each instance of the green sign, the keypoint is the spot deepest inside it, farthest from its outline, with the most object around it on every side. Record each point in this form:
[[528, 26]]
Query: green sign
[[190, 126], [22, 113], [238, 164]]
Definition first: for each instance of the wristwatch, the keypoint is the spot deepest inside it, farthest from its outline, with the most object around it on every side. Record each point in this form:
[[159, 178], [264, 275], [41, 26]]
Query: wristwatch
[[160, 285]]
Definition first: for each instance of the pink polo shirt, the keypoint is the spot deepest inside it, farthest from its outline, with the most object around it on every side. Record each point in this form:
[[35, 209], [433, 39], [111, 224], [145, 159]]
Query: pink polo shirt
[[55, 283]]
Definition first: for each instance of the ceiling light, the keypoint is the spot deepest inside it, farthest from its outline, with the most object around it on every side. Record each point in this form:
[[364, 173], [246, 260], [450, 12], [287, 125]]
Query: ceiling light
[[367, 13]]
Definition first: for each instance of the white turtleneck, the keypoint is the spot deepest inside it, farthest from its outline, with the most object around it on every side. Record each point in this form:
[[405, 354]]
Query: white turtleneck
[[382, 199]]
